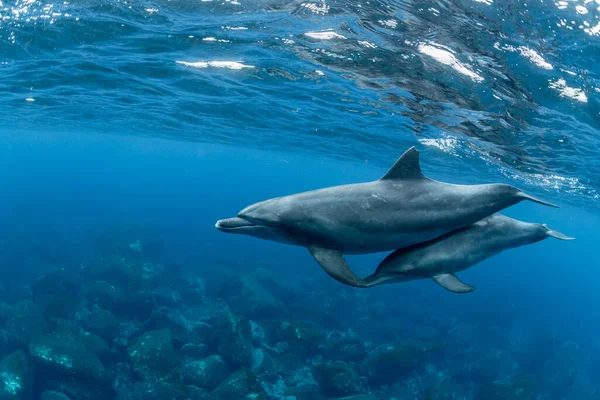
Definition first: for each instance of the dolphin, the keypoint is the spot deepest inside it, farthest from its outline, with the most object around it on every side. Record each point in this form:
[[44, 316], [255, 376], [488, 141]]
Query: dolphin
[[456, 251], [400, 209]]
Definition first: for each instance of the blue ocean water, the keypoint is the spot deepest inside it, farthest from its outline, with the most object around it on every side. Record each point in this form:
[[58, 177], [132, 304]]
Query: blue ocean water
[[130, 127]]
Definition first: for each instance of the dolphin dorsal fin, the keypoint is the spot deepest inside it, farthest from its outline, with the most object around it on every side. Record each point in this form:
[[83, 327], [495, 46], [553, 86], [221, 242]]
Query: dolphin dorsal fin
[[406, 167]]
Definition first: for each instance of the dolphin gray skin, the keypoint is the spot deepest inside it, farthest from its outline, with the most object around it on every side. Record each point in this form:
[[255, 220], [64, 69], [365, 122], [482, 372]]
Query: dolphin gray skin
[[400, 209], [456, 251]]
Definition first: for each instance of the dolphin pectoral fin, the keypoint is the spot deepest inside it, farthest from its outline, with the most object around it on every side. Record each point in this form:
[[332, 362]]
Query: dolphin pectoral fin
[[452, 283], [406, 167], [526, 196], [374, 280], [334, 264], [558, 235]]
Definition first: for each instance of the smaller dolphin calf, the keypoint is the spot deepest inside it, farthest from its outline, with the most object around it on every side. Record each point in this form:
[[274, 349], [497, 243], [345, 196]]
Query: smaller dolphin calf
[[456, 251]]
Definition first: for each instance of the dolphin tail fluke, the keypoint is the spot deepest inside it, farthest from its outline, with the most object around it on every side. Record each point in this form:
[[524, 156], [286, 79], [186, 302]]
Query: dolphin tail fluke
[[558, 235], [526, 196]]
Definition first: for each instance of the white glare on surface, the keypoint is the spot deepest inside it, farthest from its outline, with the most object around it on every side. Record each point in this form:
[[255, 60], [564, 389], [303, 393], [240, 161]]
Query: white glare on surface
[[447, 58], [215, 64], [560, 85], [324, 35]]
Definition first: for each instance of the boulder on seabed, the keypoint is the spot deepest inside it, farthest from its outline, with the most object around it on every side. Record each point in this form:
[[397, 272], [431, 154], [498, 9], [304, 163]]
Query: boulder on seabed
[[153, 357]]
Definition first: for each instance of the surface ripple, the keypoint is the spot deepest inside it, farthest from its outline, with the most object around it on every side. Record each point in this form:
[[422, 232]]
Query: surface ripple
[[497, 89]]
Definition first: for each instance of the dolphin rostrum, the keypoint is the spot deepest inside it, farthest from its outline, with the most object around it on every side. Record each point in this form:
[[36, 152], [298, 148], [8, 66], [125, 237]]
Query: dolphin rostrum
[[401, 209], [441, 258]]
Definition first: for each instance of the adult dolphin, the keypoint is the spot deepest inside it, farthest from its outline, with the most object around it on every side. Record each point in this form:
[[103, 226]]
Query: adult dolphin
[[400, 209], [441, 258]]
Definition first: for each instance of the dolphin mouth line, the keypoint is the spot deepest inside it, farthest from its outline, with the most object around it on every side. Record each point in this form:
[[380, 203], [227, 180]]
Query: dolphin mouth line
[[231, 224]]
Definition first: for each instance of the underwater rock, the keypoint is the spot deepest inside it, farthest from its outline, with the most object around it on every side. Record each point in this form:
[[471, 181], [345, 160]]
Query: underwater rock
[[521, 388], [171, 320], [289, 363], [538, 350], [192, 352], [67, 352], [52, 395], [106, 296], [305, 392], [101, 322], [67, 361], [445, 390], [5, 311], [337, 379], [323, 317], [249, 298], [152, 274], [153, 357], [158, 390], [133, 242], [207, 373], [234, 339], [6, 345], [140, 305], [56, 292], [472, 366], [348, 350], [387, 365], [560, 372], [302, 337], [400, 392], [241, 385], [258, 334], [15, 379], [264, 366], [26, 323], [165, 296], [192, 296], [196, 393]]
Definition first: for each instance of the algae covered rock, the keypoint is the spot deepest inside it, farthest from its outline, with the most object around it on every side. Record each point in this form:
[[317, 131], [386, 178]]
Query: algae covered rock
[[67, 361], [249, 298], [387, 365], [106, 295], [234, 337], [15, 380], [196, 393], [241, 385], [349, 350], [337, 379], [306, 391], [445, 390], [289, 363], [207, 373], [303, 338], [53, 395], [193, 352], [152, 357], [264, 366], [65, 352], [521, 388], [159, 390], [26, 323], [101, 322], [56, 292]]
